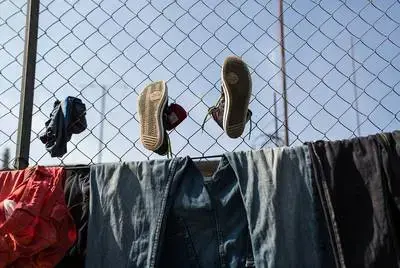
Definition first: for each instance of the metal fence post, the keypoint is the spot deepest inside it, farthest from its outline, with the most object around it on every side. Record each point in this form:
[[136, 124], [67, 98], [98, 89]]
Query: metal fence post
[[27, 86]]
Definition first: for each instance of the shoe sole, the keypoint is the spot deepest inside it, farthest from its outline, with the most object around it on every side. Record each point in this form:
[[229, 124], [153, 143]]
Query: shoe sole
[[151, 103], [236, 83]]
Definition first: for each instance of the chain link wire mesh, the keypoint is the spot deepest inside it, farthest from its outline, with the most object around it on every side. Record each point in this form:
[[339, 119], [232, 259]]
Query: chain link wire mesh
[[342, 70], [12, 33]]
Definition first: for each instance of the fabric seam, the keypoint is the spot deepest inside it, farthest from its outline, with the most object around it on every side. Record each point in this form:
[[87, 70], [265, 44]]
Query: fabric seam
[[328, 211], [161, 216], [189, 241], [386, 190]]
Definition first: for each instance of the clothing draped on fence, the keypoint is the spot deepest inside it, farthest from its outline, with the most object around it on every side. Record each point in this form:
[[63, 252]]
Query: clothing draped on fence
[[323, 204]]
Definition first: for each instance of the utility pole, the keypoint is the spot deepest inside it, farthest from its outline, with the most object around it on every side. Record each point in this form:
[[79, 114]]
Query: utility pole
[[102, 118], [102, 115], [355, 86], [283, 68], [275, 86], [275, 116], [105, 89], [6, 159]]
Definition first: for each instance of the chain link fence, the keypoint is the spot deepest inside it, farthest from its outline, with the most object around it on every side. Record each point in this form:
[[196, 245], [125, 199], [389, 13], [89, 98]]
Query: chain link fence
[[12, 32], [342, 70]]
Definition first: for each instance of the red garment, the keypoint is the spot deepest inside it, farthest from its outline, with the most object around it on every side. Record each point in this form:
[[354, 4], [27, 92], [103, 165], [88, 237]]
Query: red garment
[[39, 231], [175, 115]]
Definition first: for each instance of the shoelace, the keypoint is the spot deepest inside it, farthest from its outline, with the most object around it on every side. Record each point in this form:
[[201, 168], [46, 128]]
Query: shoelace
[[209, 113], [210, 110], [251, 125], [169, 151], [206, 117]]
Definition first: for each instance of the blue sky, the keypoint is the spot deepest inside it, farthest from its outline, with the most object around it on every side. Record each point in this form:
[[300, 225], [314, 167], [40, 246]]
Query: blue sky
[[124, 45]]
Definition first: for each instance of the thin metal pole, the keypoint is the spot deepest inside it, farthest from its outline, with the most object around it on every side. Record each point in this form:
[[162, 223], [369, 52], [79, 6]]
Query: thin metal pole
[[283, 68], [275, 115], [102, 118], [355, 86], [27, 86]]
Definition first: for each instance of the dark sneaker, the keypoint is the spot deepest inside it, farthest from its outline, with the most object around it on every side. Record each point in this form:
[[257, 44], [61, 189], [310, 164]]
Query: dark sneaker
[[151, 105], [236, 85], [173, 115], [217, 113], [165, 148], [231, 111]]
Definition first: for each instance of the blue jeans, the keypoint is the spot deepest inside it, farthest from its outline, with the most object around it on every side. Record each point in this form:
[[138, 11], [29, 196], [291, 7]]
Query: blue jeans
[[207, 224], [257, 209], [277, 192]]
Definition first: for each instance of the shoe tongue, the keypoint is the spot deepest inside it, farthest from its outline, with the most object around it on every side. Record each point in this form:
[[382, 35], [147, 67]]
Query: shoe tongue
[[175, 114], [218, 114]]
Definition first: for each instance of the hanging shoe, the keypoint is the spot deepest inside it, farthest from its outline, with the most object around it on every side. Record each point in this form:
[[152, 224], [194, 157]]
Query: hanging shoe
[[217, 113], [151, 106], [175, 114], [165, 148], [156, 117], [231, 111]]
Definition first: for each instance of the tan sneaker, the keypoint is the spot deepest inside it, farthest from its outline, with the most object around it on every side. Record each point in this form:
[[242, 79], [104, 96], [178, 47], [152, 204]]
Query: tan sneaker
[[236, 85], [231, 111], [151, 104]]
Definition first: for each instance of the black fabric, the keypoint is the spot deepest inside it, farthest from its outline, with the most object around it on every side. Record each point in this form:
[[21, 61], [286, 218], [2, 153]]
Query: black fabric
[[66, 118], [76, 189], [326, 250], [358, 182]]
